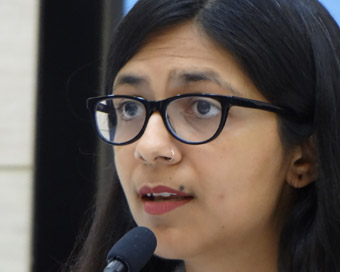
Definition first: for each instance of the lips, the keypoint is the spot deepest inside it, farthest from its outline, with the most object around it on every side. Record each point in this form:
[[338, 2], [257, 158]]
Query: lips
[[162, 199]]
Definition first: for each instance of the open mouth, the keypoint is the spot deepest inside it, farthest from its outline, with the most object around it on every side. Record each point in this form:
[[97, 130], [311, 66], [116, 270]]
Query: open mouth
[[162, 199], [166, 196]]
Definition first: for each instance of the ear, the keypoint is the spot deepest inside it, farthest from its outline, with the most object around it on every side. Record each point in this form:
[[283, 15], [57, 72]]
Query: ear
[[303, 165]]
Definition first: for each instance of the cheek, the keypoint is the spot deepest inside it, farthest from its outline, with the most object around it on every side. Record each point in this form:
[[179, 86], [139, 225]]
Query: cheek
[[242, 178], [125, 162]]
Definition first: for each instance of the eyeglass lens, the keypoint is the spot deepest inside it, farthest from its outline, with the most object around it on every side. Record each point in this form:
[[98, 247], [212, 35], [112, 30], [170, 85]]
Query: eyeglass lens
[[192, 119]]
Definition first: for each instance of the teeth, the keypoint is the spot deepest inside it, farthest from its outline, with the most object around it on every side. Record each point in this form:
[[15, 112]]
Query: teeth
[[160, 194], [163, 194]]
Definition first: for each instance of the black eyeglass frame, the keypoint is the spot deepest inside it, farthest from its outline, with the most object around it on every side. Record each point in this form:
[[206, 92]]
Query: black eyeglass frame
[[161, 106]]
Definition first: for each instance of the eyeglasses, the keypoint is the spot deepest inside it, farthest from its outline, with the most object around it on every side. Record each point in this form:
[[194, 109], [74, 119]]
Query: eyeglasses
[[190, 118]]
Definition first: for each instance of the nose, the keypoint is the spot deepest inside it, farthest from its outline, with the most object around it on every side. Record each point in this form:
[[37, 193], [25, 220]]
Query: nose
[[157, 145]]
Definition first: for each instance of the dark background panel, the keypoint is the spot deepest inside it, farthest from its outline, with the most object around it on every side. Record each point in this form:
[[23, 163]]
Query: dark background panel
[[74, 36]]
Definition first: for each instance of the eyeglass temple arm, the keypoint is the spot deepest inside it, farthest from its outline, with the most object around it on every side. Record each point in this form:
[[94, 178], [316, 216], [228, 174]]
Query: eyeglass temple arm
[[249, 103]]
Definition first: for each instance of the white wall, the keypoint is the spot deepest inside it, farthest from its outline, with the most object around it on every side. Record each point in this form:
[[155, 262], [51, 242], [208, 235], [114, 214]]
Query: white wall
[[18, 60]]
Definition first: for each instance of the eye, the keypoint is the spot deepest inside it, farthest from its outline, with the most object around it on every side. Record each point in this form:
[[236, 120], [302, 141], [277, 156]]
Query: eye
[[205, 109], [129, 110]]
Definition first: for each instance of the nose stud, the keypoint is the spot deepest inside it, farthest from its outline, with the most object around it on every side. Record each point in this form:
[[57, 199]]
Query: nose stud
[[172, 155]]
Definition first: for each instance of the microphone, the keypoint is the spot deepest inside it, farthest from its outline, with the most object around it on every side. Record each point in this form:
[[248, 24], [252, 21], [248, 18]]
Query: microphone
[[132, 251]]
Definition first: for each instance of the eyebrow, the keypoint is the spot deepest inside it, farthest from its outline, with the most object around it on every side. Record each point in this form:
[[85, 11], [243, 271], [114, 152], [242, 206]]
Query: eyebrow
[[194, 76], [131, 79], [184, 77], [187, 77]]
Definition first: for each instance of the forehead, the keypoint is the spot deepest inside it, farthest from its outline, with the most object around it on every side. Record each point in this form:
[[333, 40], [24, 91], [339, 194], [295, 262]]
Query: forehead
[[183, 54], [183, 41], [186, 36]]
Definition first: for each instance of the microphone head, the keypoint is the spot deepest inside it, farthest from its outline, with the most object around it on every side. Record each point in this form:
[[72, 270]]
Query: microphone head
[[134, 249]]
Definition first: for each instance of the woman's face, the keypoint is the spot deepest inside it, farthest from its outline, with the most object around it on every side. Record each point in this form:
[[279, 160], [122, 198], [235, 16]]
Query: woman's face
[[228, 195]]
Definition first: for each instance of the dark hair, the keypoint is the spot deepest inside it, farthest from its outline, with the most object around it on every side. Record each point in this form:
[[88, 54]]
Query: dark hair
[[290, 49]]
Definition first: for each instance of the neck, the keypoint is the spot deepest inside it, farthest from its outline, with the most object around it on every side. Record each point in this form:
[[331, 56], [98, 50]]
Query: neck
[[256, 256]]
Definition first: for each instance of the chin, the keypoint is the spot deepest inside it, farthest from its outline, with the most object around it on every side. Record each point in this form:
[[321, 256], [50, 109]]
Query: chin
[[167, 252], [172, 247], [172, 241]]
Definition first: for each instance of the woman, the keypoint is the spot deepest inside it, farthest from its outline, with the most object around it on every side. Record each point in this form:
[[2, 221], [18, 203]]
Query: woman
[[226, 184]]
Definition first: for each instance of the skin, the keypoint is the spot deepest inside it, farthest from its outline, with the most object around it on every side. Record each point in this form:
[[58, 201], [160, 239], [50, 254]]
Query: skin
[[238, 180]]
